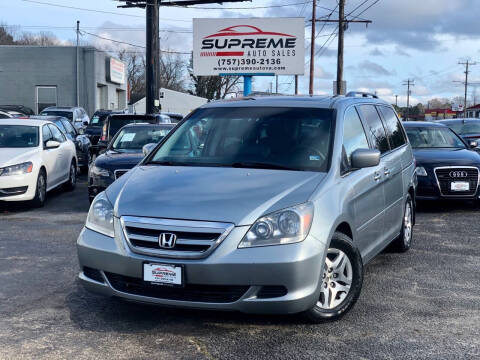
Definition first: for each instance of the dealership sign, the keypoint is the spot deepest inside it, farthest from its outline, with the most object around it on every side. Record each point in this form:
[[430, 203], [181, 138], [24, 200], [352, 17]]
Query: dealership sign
[[115, 71], [249, 46]]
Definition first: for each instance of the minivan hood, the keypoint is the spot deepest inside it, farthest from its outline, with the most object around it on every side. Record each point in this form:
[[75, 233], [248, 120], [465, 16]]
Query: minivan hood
[[112, 160], [13, 156], [238, 196]]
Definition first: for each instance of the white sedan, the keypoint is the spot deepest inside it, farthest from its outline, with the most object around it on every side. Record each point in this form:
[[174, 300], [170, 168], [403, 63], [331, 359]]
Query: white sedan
[[35, 157]]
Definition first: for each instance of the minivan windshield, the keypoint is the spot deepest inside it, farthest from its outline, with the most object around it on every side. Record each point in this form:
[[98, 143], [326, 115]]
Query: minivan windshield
[[251, 137], [18, 136], [433, 137], [132, 139]]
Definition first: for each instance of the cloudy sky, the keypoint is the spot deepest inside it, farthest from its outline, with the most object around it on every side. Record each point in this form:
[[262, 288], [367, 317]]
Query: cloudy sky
[[418, 39]]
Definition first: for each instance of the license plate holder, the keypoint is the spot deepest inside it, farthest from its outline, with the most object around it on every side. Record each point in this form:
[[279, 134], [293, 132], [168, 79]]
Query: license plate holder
[[164, 274], [460, 186]]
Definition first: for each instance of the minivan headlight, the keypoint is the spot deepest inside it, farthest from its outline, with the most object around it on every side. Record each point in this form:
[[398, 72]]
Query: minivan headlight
[[100, 216], [285, 226]]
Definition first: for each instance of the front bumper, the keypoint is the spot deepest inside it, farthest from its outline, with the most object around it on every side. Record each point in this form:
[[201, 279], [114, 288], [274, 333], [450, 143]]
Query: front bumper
[[428, 189], [97, 184], [296, 267], [18, 187]]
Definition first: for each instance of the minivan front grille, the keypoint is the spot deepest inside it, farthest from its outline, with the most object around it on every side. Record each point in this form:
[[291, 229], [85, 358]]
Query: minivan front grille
[[446, 175], [191, 292], [191, 239]]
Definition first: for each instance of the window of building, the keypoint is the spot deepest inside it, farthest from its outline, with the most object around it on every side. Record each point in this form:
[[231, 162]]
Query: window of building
[[45, 96]]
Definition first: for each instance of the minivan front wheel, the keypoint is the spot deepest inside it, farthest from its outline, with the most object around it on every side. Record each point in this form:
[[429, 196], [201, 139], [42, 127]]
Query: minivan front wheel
[[340, 282], [404, 241]]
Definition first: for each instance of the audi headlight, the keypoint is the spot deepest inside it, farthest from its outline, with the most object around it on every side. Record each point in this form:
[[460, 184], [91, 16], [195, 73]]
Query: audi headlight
[[421, 171], [23, 168], [100, 216], [98, 171], [285, 226]]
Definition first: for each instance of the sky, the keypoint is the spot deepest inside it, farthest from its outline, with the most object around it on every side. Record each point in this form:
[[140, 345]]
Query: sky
[[421, 40]]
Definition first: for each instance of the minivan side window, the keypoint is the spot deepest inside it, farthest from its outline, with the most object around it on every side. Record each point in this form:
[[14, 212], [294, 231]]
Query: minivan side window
[[375, 128], [353, 135], [396, 136]]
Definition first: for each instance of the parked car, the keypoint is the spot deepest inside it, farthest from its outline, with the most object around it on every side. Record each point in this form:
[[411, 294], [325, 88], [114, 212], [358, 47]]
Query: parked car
[[114, 122], [94, 129], [5, 115], [35, 157], [468, 129], [18, 108], [265, 205], [447, 168], [76, 115], [123, 153], [82, 142], [175, 117]]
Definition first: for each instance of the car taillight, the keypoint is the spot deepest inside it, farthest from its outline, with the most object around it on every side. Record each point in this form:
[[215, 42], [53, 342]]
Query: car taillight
[[104, 132]]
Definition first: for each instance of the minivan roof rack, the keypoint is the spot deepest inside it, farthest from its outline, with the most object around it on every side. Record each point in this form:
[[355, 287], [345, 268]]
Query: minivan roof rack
[[361, 93]]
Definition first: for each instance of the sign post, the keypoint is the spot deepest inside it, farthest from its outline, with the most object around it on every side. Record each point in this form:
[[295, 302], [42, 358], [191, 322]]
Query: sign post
[[248, 47]]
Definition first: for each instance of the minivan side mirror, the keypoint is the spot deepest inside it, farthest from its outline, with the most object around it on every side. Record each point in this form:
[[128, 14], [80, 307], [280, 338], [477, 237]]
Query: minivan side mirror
[[52, 144], [147, 149], [363, 158], [473, 144]]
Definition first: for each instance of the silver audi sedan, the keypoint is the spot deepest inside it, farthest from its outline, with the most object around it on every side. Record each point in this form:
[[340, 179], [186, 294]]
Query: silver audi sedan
[[259, 205]]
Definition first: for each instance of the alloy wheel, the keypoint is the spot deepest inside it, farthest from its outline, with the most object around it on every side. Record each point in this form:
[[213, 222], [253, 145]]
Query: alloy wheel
[[41, 188], [407, 224], [73, 175], [336, 279]]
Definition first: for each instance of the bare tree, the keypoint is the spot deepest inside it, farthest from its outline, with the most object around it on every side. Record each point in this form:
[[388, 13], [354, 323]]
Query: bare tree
[[135, 62], [172, 71]]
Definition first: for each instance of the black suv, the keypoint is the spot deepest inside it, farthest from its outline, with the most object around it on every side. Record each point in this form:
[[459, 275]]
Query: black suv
[[115, 122], [94, 129]]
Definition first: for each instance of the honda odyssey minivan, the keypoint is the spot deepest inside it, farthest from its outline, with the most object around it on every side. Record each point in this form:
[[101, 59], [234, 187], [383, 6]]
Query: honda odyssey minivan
[[258, 205]]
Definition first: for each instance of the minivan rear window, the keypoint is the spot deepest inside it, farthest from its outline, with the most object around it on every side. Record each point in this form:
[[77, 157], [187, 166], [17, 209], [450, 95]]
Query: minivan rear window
[[252, 137]]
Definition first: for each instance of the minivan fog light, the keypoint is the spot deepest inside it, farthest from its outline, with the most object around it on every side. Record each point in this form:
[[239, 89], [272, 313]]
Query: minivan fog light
[[281, 227], [100, 216]]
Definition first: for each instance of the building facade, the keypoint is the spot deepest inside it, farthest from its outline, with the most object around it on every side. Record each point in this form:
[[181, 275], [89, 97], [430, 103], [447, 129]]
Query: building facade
[[38, 76], [473, 111]]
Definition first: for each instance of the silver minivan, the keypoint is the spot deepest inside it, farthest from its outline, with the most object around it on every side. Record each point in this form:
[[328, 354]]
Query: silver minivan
[[259, 205]]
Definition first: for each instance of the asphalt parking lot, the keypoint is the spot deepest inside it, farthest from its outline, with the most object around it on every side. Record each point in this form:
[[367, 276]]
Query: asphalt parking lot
[[424, 304]]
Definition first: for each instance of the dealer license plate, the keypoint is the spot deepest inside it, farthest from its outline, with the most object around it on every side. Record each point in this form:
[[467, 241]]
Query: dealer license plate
[[460, 186], [163, 274]]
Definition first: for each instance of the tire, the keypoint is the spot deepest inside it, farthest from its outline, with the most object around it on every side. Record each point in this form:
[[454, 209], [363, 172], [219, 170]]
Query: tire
[[72, 178], [351, 269], [404, 241], [41, 190]]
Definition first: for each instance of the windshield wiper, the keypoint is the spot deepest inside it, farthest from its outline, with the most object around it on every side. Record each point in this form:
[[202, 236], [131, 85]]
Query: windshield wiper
[[261, 165]]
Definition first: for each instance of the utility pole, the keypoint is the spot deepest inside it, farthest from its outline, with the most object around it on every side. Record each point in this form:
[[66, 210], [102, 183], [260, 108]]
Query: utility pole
[[296, 84], [152, 44], [276, 84], [341, 31], [312, 48], [408, 83], [396, 100], [77, 78], [467, 64], [342, 26]]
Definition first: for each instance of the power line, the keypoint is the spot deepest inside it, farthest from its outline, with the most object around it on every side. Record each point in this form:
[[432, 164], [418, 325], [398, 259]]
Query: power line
[[240, 8], [40, 27], [134, 45], [96, 11]]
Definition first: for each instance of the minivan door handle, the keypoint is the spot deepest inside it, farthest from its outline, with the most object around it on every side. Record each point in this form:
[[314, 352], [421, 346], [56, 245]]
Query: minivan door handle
[[376, 176], [387, 172]]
